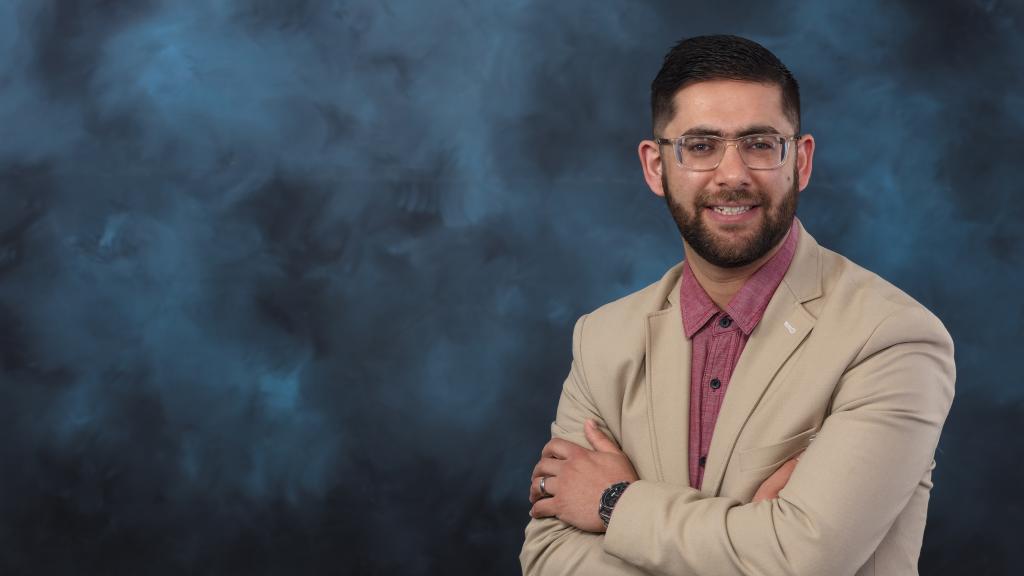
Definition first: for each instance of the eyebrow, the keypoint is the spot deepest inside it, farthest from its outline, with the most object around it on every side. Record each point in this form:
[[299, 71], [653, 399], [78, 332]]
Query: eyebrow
[[753, 129]]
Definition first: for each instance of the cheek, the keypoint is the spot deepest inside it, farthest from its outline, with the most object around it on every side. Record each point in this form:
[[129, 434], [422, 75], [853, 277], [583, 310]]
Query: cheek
[[772, 183], [685, 184], [694, 181]]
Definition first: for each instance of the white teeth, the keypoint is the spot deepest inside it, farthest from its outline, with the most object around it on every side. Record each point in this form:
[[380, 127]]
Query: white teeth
[[731, 209]]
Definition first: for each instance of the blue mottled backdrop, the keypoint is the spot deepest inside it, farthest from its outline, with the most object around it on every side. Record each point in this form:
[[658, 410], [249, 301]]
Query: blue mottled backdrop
[[288, 286]]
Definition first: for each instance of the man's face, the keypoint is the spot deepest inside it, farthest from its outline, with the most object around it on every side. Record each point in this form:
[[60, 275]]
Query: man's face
[[767, 199]]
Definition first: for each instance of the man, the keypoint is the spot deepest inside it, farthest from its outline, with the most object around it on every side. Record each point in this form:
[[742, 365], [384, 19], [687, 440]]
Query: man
[[683, 437]]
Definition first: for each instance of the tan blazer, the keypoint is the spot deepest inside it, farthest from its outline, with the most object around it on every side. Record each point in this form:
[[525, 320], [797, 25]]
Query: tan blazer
[[840, 356]]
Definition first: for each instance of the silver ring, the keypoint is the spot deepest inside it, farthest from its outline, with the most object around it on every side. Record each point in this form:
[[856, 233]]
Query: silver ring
[[543, 492]]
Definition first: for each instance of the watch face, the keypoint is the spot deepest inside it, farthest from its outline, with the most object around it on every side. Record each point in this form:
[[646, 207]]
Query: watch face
[[611, 495]]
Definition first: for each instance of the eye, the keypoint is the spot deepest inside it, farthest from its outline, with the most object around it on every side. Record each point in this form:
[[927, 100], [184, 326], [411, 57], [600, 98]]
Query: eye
[[761, 143], [699, 146]]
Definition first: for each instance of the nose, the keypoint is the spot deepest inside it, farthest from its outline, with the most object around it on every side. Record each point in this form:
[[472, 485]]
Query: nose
[[731, 171]]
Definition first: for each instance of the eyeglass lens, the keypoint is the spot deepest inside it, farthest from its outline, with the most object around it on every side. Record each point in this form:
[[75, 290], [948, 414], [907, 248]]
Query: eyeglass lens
[[757, 151]]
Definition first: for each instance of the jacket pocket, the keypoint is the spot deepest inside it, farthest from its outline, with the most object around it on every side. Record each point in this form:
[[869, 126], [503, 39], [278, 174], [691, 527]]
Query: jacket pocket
[[777, 453]]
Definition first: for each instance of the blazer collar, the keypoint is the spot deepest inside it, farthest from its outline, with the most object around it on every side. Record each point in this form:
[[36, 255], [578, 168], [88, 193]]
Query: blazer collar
[[782, 329]]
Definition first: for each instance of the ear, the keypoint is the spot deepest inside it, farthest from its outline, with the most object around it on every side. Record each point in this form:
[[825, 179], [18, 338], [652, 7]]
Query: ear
[[650, 160], [804, 159]]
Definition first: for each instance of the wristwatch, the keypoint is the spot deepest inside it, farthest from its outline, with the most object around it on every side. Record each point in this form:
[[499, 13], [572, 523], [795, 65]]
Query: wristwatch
[[608, 499]]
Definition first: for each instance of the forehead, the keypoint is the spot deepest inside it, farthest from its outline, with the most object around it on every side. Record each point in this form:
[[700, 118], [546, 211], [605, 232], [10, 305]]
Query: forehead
[[728, 106]]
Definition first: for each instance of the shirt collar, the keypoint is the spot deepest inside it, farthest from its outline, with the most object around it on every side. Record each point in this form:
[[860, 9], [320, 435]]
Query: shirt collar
[[748, 305]]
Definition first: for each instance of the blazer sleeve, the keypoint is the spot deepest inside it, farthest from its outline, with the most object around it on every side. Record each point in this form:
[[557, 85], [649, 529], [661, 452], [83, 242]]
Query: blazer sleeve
[[873, 449], [553, 547]]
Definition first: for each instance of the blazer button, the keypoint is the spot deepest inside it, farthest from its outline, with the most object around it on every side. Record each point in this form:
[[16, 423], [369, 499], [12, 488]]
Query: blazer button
[[716, 383], [702, 461]]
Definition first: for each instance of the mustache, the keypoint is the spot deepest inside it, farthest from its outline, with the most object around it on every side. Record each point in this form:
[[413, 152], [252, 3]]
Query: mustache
[[737, 195]]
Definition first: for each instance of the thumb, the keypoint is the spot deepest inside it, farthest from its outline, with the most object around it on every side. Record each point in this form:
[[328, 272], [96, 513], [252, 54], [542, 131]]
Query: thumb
[[597, 439]]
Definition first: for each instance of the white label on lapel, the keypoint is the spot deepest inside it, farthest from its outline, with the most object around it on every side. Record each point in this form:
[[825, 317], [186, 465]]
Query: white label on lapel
[[789, 327]]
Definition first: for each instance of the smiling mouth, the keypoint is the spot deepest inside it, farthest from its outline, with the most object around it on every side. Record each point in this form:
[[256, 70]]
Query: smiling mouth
[[732, 210]]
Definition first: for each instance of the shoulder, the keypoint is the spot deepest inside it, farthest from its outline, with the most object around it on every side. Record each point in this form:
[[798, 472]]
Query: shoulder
[[869, 308], [617, 329], [889, 349]]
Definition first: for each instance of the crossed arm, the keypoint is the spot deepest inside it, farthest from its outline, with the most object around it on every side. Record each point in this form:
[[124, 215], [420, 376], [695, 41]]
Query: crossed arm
[[837, 506], [585, 474]]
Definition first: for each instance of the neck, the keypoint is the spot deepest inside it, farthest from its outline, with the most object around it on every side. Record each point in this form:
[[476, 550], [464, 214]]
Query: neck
[[720, 283]]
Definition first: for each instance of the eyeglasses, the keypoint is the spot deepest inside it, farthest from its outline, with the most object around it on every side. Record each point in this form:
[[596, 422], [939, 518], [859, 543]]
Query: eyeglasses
[[758, 151]]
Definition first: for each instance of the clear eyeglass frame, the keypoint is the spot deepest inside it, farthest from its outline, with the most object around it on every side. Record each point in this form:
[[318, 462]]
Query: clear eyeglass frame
[[677, 148]]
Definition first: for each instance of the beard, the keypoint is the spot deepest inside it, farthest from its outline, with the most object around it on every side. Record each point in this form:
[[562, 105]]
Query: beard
[[724, 253]]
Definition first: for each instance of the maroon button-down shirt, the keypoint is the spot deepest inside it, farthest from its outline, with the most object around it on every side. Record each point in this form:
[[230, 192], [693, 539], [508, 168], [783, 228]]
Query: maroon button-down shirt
[[717, 339]]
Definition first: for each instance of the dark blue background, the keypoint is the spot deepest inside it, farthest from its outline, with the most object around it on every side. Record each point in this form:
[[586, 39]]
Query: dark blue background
[[288, 287]]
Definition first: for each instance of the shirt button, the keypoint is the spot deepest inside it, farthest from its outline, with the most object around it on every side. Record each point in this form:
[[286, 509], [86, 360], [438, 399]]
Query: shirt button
[[702, 461], [725, 322], [716, 383]]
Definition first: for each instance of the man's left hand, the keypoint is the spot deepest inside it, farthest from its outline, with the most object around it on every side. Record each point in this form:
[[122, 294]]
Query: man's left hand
[[576, 478]]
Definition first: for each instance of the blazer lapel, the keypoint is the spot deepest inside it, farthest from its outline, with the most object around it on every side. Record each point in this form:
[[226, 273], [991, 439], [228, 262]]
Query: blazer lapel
[[668, 377], [782, 329]]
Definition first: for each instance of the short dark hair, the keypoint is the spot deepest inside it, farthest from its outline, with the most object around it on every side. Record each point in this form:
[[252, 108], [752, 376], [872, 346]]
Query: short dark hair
[[719, 57]]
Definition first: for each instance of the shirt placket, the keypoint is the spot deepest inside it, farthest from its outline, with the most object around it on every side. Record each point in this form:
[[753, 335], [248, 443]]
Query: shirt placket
[[713, 383]]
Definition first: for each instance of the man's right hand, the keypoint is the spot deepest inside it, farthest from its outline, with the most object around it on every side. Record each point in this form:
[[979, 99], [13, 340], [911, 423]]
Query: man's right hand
[[771, 487]]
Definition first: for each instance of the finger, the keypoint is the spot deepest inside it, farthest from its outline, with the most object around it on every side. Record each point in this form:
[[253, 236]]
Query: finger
[[543, 508], [767, 490], [790, 466], [758, 496], [559, 448], [549, 487], [781, 475], [787, 472], [771, 487], [598, 440], [547, 467]]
